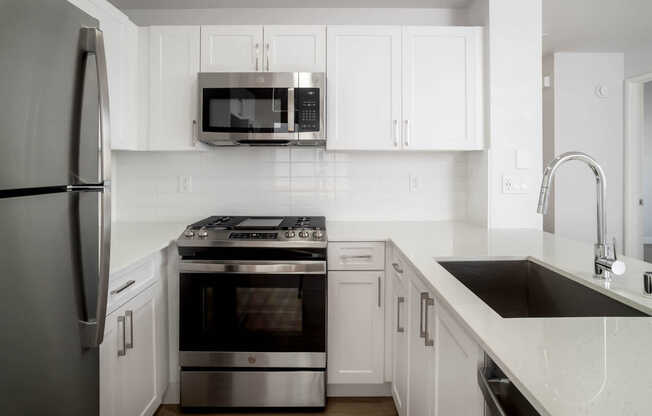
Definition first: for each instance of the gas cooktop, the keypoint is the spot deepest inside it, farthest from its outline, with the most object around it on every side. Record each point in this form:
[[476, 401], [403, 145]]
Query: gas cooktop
[[244, 231]]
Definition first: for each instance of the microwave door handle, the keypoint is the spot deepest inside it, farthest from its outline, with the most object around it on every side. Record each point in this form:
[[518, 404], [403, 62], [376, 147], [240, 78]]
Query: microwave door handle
[[291, 110], [93, 328]]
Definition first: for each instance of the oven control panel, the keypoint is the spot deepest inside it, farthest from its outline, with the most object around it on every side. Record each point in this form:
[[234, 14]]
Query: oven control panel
[[307, 109], [253, 236]]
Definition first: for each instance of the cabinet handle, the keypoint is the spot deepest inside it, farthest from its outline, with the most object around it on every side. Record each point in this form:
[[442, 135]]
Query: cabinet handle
[[422, 333], [195, 130], [359, 256], [396, 133], [267, 54], [122, 287], [121, 351], [406, 134], [399, 300], [428, 301], [397, 268], [257, 54], [130, 315], [379, 291]]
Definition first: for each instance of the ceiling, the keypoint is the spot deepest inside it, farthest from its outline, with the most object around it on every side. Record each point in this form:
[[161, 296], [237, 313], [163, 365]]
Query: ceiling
[[596, 25], [209, 4]]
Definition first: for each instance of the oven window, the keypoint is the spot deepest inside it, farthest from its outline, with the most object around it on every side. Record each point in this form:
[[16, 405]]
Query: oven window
[[245, 110], [270, 309], [224, 312]]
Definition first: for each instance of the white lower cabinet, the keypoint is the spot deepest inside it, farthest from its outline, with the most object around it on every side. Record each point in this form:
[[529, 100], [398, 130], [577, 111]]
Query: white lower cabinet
[[421, 361], [400, 336], [434, 361], [133, 355], [356, 327], [458, 358]]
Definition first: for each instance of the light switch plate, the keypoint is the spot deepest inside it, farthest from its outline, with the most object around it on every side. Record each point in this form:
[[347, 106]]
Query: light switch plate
[[185, 184], [522, 159]]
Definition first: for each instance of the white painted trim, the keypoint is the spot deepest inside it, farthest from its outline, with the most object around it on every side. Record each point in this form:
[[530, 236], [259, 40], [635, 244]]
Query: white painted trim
[[633, 125], [359, 390], [172, 393]]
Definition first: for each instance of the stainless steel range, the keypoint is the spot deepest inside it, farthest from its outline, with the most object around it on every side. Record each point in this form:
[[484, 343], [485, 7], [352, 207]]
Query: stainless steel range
[[252, 313]]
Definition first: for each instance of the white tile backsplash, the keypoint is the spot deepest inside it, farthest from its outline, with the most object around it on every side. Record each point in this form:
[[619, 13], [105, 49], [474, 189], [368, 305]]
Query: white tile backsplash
[[291, 181]]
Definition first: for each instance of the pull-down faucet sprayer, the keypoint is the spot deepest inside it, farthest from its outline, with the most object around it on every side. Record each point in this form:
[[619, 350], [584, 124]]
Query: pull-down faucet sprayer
[[606, 262]]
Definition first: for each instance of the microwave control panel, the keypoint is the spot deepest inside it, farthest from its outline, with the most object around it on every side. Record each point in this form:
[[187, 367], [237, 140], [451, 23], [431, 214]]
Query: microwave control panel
[[307, 108]]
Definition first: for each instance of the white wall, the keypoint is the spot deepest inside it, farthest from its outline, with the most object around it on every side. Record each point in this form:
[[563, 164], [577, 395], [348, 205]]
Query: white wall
[[282, 181], [647, 165], [638, 60], [307, 16], [587, 123], [514, 97]]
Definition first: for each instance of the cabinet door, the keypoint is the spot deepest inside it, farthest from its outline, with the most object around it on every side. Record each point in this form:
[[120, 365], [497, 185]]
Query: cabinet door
[[400, 341], [442, 88], [355, 327], [458, 360], [137, 369], [173, 100], [295, 48], [109, 362], [364, 87], [231, 48], [421, 384]]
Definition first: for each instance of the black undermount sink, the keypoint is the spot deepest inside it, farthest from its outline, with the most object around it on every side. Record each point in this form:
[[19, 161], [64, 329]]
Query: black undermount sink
[[524, 289]]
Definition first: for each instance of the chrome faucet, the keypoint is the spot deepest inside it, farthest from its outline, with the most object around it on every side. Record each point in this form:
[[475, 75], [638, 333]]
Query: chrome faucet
[[606, 262]]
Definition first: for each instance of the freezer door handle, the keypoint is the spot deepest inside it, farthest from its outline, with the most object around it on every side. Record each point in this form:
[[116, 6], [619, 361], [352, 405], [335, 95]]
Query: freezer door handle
[[93, 327]]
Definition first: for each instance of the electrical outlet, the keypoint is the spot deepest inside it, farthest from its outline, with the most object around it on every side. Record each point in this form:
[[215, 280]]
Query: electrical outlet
[[414, 183], [515, 184], [185, 184]]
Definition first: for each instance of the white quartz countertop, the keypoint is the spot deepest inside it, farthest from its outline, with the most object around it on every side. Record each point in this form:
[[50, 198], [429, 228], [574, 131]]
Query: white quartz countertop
[[564, 366], [133, 241]]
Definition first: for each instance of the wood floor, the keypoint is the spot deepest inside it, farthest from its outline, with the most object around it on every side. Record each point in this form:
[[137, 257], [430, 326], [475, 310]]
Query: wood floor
[[337, 406]]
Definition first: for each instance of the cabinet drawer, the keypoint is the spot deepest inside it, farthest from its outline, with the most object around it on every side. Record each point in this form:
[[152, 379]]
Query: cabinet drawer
[[356, 256], [128, 282], [397, 265]]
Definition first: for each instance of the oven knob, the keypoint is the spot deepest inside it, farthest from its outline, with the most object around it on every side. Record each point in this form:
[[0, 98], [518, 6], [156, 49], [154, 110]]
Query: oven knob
[[202, 234], [189, 234], [304, 234], [317, 235], [290, 234]]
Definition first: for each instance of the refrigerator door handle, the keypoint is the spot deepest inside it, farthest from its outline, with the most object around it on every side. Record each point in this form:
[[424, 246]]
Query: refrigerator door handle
[[93, 327]]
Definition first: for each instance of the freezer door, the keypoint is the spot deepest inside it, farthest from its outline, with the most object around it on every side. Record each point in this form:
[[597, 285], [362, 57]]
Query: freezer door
[[48, 96], [49, 254]]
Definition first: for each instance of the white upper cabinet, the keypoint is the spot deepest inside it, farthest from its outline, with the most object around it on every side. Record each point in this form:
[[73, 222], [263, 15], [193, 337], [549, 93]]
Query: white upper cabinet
[[364, 87], [120, 43], [173, 96], [442, 88], [295, 48], [231, 48], [405, 88]]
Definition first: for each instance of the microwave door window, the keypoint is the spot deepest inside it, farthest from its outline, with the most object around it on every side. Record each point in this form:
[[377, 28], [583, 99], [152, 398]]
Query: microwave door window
[[245, 110]]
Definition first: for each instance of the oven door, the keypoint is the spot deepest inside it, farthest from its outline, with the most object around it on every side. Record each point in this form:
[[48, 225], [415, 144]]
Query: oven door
[[230, 309], [247, 108]]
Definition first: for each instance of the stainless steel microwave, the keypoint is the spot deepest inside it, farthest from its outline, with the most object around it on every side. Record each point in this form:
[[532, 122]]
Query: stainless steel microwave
[[269, 108]]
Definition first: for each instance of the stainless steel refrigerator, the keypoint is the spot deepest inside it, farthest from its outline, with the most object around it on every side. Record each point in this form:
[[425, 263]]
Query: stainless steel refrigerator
[[54, 208]]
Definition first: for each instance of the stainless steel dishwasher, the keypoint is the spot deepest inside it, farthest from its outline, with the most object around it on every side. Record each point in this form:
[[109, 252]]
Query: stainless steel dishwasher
[[501, 397]]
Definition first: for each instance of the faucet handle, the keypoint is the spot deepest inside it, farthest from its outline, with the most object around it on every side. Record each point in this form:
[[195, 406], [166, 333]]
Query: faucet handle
[[613, 242]]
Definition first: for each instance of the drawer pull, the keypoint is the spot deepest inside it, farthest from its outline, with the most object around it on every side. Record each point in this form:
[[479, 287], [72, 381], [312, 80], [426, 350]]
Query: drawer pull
[[397, 268], [360, 256], [122, 287]]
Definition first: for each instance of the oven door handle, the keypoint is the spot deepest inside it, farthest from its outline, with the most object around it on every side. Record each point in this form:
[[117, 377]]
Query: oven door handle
[[253, 267]]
